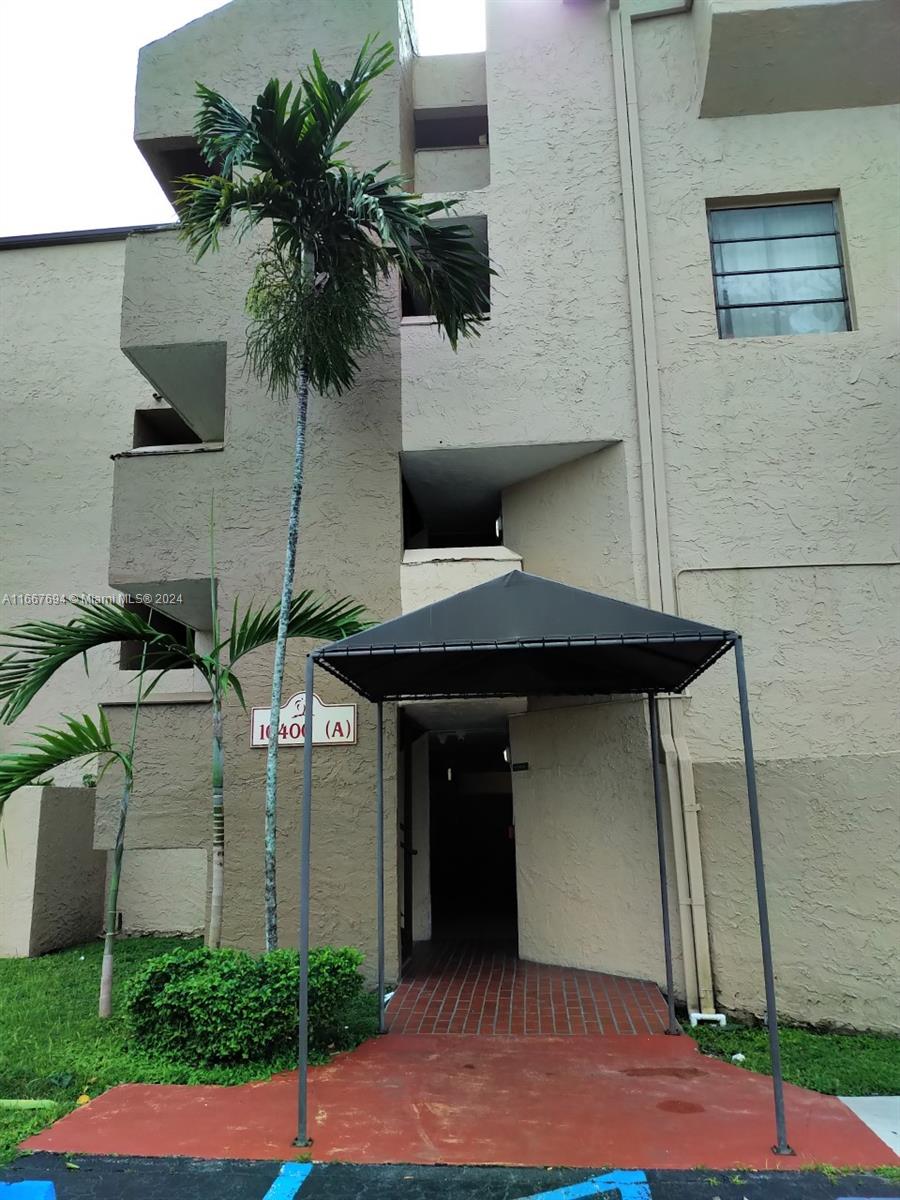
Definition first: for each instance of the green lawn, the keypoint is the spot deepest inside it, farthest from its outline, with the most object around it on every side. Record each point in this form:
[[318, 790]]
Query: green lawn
[[855, 1064], [53, 1046]]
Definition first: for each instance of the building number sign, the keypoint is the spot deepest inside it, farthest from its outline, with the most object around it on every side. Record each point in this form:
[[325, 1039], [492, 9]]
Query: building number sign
[[333, 724]]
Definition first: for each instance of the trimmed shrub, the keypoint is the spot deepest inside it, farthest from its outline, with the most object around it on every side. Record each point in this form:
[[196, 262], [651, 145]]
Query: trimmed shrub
[[214, 1007]]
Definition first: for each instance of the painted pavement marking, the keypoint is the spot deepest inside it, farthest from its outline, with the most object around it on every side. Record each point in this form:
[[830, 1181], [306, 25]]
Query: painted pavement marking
[[28, 1189], [290, 1180], [630, 1185]]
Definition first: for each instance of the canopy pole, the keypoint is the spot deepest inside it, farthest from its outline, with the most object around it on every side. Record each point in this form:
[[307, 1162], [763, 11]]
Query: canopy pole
[[781, 1146], [303, 1138], [379, 855], [661, 854]]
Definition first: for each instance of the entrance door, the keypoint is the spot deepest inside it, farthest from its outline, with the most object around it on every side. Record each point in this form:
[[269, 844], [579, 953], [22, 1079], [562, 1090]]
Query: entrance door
[[473, 851]]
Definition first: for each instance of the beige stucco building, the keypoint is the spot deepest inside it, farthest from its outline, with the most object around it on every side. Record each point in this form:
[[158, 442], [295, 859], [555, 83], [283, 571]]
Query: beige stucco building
[[685, 396]]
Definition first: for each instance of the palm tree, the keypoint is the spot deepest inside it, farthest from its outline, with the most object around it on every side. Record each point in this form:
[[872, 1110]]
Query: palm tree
[[88, 741], [316, 302], [40, 648]]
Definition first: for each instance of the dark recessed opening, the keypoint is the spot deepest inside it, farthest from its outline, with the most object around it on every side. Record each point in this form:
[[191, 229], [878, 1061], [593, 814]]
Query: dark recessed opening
[[449, 128], [161, 427], [415, 305], [130, 652], [473, 849], [450, 525]]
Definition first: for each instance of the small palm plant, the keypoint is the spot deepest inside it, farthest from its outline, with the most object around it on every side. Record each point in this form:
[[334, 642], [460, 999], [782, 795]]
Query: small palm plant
[[40, 648], [316, 302], [88, 741]]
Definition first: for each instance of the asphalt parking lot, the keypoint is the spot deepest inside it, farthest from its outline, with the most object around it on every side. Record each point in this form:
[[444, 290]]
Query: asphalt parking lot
[[98, 1178]]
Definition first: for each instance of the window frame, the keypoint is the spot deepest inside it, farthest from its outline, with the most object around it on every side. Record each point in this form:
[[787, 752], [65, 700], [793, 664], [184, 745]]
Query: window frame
[[744, 204]]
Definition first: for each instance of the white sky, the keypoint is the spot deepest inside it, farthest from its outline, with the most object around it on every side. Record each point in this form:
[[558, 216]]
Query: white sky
[[67, 72]]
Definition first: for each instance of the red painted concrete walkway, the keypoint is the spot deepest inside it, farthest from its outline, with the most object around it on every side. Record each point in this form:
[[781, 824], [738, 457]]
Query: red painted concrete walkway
[[465, 988], [590, 1101]]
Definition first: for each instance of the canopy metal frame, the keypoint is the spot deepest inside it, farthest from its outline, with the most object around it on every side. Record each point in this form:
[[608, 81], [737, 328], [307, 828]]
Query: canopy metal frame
[[330, 656]]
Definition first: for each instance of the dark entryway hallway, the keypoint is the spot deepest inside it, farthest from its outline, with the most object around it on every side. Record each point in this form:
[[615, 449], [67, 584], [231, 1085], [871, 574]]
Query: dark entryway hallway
[[472, 836]]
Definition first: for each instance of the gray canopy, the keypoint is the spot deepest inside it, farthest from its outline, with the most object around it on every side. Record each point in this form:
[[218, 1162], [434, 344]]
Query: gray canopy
[[521, 635]]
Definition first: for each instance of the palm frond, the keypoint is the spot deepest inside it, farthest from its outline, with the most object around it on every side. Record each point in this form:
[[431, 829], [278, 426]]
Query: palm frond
[[295, 326], [82, 738], [316, 300], [311, 616], [40, 648], [225, 135], [331, 104]]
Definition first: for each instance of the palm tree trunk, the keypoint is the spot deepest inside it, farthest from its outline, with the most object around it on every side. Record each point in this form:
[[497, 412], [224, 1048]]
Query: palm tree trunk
[[290, 559], [112, 903], [112, 895], [214, 935]]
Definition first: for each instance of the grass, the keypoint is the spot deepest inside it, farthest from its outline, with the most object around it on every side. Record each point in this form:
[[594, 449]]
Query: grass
[[53, 1046], [838, 1064]]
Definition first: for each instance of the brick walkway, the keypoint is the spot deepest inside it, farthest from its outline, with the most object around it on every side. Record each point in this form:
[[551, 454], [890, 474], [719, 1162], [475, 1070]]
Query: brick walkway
[[469, 989]]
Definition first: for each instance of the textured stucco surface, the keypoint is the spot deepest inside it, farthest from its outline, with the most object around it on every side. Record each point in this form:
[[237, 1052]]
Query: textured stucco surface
[[833, 869], [177, 490], [823, 656], [768, 56], [69, 872], [553, 364], [778, 449], [587, 874], [68, 401], [163, 891], [171, 799], [352, 483], [782, 491], [51, 877], [21, 820], [430, 575], [573, 524], [457, 169], [450, 80]]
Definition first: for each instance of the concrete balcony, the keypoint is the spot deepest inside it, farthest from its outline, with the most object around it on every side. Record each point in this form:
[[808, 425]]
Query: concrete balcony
[[430, 575], [174, 325], [767, 56], [450, 81], [159, 543], [453, 169]]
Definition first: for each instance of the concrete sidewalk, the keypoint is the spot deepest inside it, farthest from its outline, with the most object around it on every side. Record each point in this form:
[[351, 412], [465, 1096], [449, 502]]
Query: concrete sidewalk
[[574, 1101]]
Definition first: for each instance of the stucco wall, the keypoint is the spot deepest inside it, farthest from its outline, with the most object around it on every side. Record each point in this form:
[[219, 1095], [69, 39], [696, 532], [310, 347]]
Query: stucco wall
[[461, 169], [450, 80], [352, 482], [164, 872], [782, 488], [833, 870], [68, 401], [51, 877], [164, 891], [767, 56], [427, 576], [573, 524], [553, 364], [586, 863], [21, 819], [69, 872]]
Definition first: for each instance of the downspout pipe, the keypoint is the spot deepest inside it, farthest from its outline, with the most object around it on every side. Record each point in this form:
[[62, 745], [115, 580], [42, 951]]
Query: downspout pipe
[[679, 770]]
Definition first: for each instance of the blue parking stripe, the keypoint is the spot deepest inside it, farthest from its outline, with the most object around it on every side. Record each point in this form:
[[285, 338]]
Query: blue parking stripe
[[290, 1180], [628, 1185], [28, 1189]]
